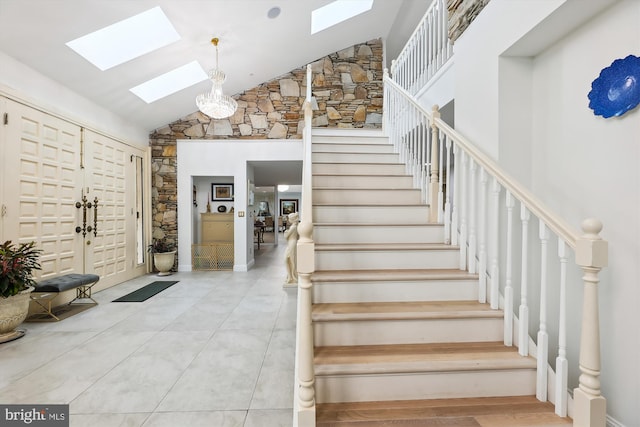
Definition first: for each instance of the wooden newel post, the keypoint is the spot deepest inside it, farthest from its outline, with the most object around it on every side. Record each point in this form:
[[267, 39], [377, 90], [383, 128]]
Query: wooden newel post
[[590, 407], [434, 178]]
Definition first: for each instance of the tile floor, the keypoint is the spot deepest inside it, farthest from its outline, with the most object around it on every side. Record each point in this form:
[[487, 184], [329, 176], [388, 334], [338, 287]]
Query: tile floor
[[214, 350]]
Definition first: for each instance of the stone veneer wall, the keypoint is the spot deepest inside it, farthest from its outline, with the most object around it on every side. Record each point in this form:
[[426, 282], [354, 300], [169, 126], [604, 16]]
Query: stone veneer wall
[[347, 86], [461, 14]]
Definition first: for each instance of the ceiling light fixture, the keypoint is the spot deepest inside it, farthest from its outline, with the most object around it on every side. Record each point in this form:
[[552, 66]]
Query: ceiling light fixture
[[214, 103], [283, 187]]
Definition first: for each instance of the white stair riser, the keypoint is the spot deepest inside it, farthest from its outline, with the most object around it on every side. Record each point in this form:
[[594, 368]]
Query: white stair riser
[[418, 331], [386, 259], [437, 385], [362, 181], [322, 139], [359, 196], [351, 148], [355, 157], [378, 234], [359, 169], [430, 290], [371, 214]]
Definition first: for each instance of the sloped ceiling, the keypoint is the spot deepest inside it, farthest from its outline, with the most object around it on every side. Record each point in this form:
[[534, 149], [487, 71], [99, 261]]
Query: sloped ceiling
[[253, 48]]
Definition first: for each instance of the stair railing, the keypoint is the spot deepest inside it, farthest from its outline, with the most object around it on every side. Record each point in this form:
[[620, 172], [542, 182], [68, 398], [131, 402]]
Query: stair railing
[[426, 51], [470, 215], [306, 409]]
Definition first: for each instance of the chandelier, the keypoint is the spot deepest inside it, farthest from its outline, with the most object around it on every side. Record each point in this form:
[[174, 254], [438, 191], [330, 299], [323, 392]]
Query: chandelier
[[214, 103]]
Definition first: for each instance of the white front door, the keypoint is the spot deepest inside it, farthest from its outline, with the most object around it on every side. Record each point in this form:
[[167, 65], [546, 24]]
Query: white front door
[[53, 171]]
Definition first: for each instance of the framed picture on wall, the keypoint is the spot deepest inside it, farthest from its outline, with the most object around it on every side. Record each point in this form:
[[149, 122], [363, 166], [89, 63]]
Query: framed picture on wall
[[221, 192], [288, 206]]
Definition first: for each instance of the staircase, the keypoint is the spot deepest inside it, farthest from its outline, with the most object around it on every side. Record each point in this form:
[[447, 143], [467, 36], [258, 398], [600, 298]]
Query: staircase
[[399, 335]]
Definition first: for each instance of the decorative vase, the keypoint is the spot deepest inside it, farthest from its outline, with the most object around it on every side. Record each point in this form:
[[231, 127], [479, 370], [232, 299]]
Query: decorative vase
[[13, 311], [164, 262]]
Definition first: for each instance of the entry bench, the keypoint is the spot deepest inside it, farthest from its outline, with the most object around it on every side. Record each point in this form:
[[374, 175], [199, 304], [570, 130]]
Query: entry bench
[[46, 290]]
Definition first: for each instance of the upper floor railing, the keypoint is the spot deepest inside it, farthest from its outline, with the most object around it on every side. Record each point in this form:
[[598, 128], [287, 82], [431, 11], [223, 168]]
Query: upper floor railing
[[464, 188], [426, 52]]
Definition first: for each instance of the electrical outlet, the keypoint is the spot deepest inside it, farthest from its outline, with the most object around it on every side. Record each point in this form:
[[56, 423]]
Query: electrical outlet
[[240, 214]]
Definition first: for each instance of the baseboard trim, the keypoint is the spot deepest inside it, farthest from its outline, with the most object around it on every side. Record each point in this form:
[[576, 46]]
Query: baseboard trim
[[612, 422]]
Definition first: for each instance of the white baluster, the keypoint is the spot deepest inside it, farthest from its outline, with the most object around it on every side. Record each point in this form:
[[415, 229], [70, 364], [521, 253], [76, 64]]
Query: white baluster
[[456, 197], [473, 188], [431, 47], [463, 211], [543, 337], [590, 407], [495, 233], [421, 178], [417, 161], [427, 133], [434, 182], [425, 52], [447, 202], [562, 365], [482, 246], [440, 175], [306, 376], [508, 288], [523, 313]]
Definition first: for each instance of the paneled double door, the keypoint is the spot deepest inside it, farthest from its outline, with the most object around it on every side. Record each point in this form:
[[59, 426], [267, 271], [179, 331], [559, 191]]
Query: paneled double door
[[76, 192]]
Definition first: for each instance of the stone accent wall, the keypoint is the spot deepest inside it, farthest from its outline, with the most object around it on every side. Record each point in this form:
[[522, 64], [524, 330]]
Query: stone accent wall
[[347, 86], [461, 14]]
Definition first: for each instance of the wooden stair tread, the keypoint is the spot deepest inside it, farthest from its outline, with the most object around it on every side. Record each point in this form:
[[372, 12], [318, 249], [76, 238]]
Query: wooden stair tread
[[391, 275], [403, 310], [345, 175], [378, 224], [383, 246], [411, 358], [487, 411], [415, 190], [376, 205]]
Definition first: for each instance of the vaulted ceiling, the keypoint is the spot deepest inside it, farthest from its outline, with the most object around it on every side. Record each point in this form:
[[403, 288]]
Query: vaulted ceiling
[[253, 47]]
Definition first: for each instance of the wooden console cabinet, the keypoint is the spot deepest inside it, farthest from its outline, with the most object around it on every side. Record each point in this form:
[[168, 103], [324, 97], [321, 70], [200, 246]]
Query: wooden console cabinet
[[215, 251], [216, 228]]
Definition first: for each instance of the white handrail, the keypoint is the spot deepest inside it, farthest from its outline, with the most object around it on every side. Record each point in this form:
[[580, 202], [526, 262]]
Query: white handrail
[[406, 120], [535, 205]]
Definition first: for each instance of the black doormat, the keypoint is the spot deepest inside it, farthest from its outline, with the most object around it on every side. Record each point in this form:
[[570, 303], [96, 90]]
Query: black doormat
[[146, 292]]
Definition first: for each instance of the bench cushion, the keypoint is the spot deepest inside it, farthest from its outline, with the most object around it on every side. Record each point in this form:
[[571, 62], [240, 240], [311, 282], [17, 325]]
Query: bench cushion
[[68, 281]]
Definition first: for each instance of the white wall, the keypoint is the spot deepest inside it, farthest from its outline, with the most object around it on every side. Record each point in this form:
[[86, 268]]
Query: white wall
[[530, 113], [24, 84], [225, 158], [476, 55], [585, 165]]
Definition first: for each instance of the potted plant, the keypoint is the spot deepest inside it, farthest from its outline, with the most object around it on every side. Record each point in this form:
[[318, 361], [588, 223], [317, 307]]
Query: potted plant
[[163, 256], [17, 265]]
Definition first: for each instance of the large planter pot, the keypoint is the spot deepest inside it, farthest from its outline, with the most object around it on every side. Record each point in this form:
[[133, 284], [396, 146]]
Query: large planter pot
[[164, 262], [13, 311]]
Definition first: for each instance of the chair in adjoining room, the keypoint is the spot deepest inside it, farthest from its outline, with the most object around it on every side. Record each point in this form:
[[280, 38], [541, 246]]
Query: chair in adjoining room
[[282, 223], [268, 223]]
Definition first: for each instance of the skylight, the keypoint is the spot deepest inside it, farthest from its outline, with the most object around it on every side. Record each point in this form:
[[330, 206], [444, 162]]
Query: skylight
[[126, 40], [170, 82], [336, 12]]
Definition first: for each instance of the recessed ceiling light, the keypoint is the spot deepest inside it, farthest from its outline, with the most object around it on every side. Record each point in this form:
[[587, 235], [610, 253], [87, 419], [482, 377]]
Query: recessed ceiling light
[[337, 12], [274, 12], [171, 82], [126, 40]]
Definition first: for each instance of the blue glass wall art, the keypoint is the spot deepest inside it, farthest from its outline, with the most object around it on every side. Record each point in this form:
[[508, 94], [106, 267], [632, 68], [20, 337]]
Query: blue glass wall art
[[617, 88]]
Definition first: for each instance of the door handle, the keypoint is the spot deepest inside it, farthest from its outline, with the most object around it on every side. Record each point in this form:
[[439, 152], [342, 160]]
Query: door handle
[[95, 216], [84, 204]]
